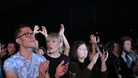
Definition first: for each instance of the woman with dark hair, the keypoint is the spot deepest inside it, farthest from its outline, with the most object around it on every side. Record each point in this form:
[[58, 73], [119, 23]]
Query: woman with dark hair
[[78, 67]]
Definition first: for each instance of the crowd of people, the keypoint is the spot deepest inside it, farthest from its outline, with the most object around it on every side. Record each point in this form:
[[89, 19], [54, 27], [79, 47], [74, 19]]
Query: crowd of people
[[25, 58]]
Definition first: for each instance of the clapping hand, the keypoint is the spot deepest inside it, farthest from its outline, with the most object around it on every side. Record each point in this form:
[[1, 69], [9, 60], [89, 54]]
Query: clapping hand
[[61, 69]]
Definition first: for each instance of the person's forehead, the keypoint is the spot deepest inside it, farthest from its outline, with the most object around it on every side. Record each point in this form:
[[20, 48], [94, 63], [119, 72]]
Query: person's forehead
[[127, 41], [10, 43], [26, 29], [82, 45], [52, 38]]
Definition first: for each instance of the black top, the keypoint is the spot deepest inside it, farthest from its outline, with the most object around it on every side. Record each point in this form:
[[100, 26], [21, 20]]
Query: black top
[[54, 62]]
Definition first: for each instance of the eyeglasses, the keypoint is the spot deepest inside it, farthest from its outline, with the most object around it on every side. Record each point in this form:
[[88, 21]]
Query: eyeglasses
[[27, 35]]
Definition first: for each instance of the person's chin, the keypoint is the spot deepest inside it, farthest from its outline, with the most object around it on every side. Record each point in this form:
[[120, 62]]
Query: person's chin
[[33, 46]]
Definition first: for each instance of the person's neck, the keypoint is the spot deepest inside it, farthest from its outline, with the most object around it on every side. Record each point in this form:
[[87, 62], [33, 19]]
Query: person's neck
[[81, 60], [54, 54], [126, 52], [26, 53], [116, 54]]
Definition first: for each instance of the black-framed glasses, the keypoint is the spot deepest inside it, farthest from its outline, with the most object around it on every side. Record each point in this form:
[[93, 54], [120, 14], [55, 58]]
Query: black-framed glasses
[[27, 35]]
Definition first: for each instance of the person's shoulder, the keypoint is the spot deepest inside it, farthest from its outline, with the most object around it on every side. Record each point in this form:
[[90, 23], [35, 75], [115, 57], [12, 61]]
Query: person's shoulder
[[39, 56], [45, 55], [63, 55], [13, 57], [11, 60], [74, 63]]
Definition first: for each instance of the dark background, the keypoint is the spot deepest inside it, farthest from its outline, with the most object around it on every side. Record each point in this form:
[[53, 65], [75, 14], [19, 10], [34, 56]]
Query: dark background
[[111, 18]]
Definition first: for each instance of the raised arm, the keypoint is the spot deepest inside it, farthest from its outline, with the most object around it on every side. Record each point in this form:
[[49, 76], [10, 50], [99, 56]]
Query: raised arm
[[103, 61], [93, 61], [36, 29], [97, 47], [65, 41], [93, 46], [43, 31]]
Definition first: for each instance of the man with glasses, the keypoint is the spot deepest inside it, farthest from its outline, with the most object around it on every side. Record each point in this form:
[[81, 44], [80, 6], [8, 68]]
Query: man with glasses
[[25, 63]]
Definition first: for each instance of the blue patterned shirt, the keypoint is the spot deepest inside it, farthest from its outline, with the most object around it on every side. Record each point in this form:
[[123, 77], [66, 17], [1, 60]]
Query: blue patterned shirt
[[24, 68]]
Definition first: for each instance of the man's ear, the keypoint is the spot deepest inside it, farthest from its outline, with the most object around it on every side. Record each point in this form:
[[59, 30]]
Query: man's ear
[[18, 41]]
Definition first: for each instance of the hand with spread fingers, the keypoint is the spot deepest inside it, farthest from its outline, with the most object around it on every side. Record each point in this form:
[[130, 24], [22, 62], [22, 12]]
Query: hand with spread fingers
[[43, 70], [43, 31], [104, 56], [62, 29], [36, 29], [61, 69]]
